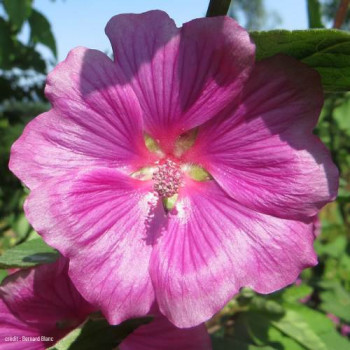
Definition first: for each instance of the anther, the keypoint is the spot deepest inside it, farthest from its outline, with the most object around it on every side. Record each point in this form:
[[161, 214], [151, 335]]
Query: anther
[[167, 179]]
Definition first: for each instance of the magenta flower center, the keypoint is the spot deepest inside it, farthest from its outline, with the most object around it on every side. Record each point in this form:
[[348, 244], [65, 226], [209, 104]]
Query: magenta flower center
[[167, 178]]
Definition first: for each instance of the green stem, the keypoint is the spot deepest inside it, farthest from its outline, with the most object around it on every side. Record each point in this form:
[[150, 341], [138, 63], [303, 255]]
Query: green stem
[[218, 8]]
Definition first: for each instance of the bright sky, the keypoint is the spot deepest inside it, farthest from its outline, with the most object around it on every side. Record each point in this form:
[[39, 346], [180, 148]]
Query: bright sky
[[82, 22]]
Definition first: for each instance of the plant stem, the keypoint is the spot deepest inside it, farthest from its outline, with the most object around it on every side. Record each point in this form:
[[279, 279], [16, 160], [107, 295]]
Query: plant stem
[[218, 8], [341, 13]]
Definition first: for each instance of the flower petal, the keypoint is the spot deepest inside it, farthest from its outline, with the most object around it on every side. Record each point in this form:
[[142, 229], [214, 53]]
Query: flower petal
[[95, 121], [13, 329], [213, 246], [263, 153], [40, 302], [103, 221], [182, 77], [160, 334]]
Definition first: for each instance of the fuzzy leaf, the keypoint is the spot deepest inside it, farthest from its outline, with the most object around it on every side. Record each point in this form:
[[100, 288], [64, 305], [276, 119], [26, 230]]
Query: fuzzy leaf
[[326, 50], [28, 254]]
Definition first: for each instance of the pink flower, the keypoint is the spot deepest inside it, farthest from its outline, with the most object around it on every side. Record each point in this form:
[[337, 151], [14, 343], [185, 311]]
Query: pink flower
[[43, 302], [334, 319], [345, 330], [40, 302], [160, 334], [207, 112]]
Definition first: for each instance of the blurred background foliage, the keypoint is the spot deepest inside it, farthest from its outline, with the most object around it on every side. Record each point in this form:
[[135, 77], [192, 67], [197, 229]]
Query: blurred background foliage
[[312, 314], [22, 76]]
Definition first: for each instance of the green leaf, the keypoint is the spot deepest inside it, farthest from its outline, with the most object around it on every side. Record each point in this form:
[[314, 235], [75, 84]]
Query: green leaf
[[323, 327], [334, 340], [265, 305], [335, 299], [98, 334], [276, 336], [344, 191], [257, 327], [326, 50], [314, 14], [333, 249], [68, 340], [21, 226], [28, 254], [26, 57], [316, 320], [295, 293], [293, 325], [299, 328], [18, 11], [6, 44], [232, 344], [341, 115], [3, 274], [40, 31]]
